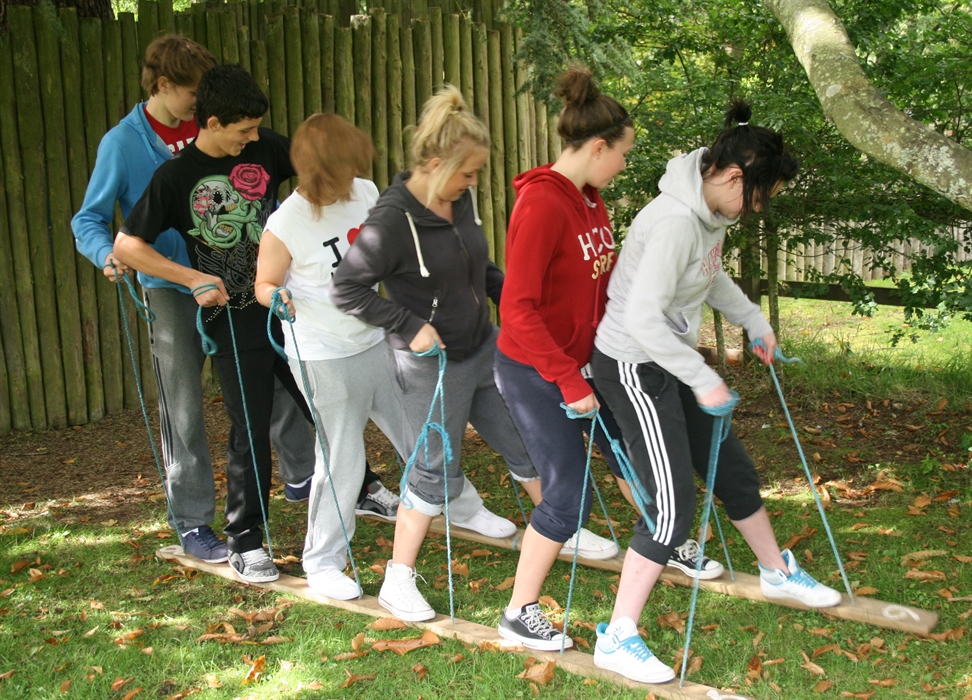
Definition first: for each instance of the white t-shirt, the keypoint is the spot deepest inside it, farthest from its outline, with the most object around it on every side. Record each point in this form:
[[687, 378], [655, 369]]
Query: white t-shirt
[[316, 247]]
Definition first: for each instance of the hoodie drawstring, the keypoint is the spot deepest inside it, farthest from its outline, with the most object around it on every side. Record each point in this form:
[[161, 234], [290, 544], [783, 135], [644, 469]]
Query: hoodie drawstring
[[418, 249], [474, 191]]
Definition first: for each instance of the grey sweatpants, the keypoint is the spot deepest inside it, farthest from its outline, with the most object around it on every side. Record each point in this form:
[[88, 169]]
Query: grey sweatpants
[[178, 358], [470, 396], [344, 393]]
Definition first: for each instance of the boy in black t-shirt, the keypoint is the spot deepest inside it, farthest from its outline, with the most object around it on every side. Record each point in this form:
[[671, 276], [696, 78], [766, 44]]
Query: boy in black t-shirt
[[218, 193]]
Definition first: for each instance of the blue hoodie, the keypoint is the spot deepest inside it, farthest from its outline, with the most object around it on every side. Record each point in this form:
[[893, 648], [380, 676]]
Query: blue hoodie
[[127, 158]]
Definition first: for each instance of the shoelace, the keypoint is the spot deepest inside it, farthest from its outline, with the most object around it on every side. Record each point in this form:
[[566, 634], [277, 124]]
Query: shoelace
[[690, 550], [802, 578], [208, 539], [537, 623], [636, 647], [382, 498], [255, 556]]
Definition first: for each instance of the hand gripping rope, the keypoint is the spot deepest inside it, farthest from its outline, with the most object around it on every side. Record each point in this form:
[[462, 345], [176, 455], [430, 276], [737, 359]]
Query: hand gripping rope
[[720, 431], [210, 348], [279, 309], [423, 442], [758, 343], [147, 315]]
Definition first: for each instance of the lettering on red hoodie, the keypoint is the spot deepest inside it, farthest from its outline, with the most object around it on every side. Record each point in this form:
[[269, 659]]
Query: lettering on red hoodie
[[559, 255]]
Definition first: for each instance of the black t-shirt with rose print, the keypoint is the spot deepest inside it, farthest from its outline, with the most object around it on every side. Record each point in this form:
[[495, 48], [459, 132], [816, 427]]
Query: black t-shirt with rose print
[[220, 206]]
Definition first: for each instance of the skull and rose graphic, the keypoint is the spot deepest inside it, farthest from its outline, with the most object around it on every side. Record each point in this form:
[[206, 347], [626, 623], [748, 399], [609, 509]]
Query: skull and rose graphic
[[225, 209]]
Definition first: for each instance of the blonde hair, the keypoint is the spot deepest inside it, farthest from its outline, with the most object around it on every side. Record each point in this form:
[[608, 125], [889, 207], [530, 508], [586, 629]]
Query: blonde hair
[[328, 152], [177, 58], [447, 130]]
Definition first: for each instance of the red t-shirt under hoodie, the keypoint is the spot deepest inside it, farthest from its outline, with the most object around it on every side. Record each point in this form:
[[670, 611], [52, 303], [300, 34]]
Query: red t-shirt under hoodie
[[559, 255]]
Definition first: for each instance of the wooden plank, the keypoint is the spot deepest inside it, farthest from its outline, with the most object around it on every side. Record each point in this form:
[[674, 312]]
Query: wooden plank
[[572, 661], [867, 610]]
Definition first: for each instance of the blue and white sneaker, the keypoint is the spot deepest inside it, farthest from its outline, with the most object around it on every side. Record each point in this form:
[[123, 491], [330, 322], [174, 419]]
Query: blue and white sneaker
[[298, 493], [621, 649], [796, 584]]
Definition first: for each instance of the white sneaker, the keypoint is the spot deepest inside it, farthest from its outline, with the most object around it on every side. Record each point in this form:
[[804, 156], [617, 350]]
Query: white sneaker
[[400, 595], [621, 649], [591, 546], [487, 523], [686, 560], [333, 584], [254, 566], [796, 584]]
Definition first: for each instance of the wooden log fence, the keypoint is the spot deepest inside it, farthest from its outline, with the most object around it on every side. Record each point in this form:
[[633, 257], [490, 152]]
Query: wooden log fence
[[67, 81]]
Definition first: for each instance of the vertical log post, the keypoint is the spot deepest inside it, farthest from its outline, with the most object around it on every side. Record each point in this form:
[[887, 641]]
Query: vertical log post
[[361, 29], [497, 151], [310, 43], [326, 31], [344, 72], [396, 152], [379, 95]]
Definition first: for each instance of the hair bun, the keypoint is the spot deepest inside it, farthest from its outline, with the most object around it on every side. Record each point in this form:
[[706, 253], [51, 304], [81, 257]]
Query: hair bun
[[739, 112], [577, 86]]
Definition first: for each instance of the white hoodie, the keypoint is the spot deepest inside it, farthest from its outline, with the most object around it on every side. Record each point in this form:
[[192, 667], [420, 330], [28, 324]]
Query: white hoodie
[[670, 264]]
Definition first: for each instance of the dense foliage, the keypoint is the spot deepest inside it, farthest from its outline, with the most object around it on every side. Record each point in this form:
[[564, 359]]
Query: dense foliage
[[676, 64]]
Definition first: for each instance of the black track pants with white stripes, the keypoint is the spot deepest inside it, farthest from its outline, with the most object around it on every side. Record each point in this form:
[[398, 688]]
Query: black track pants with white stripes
[[668, 436]]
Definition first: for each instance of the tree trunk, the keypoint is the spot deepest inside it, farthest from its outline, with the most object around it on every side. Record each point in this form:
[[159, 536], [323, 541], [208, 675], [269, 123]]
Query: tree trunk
[[86, 8], [866, 119]]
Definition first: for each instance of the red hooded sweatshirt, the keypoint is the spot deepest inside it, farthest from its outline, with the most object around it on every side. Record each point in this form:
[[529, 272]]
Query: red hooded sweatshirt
[[559, 255]]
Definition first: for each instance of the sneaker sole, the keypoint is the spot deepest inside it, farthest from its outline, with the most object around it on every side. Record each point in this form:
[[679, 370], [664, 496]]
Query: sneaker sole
[[598, 555], [495, 536], [535, 644], [296, 500], [352, 596], [255, 580], [660, 677], [406, 616], [703, 575], [376, 516], [817, 606]]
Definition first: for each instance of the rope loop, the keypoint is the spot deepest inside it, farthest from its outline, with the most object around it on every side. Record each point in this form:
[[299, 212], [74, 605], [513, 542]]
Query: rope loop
[[279, 309], [208, 344], [144, 312], [778, 355]]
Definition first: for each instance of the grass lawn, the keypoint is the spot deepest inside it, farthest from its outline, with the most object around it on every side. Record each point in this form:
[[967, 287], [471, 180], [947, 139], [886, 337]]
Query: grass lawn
[[87, 611]]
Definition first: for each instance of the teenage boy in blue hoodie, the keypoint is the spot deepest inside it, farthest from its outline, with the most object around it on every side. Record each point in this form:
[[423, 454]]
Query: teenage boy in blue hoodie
[[128, 156]]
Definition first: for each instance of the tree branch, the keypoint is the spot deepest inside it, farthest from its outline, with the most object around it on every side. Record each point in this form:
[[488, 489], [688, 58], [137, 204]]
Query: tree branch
[[864, 117]]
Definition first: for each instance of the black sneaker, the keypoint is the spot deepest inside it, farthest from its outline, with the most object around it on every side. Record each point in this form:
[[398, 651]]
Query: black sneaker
[[685, 558], [297, 494], [203, 544], [532, 629], [378, 502]]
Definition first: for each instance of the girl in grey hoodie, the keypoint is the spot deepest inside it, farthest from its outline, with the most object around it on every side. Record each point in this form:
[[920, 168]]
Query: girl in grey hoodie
[[653, 380]]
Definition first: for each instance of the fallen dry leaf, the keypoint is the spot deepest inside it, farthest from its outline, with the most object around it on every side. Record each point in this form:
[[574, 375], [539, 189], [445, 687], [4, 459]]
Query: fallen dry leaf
[[823, 686], [865, 591], [539, 673], [65, 686], [859, 696], [386, 623], [550, 603], [923, 554], [506, 585], [18, 565], [255, 674], [925, 575], [420, 671], [886, 683], [673, 620], [358, 641], [348, 655], [131, 694], [403, 646], [354, 678], [120, 683]]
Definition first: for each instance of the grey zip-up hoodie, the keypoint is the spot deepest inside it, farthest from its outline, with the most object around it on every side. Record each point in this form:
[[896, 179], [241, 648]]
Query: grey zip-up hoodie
[[434, 271], [670, 264]]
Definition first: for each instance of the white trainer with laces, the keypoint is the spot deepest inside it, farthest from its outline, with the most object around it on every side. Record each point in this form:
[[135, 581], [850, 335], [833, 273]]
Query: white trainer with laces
[[621, 649], [400, 595], [333, 584], [796, 584], [487, 523], [590, 546]]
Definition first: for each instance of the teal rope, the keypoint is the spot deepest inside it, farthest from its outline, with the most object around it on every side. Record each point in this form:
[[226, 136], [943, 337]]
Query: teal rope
[[149, 316], [720, 431], [279, 309], [796, 439], [600, 500], [638, 491], [423, 442], [574, 415], [210, 348]]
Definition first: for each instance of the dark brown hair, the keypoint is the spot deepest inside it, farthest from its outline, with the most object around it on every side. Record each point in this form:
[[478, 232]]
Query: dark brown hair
[[588, 113], [177, 58], [328, 152], [759, 152]]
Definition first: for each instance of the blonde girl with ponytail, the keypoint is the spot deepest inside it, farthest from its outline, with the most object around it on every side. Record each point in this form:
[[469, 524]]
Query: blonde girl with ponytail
[[424, 242]]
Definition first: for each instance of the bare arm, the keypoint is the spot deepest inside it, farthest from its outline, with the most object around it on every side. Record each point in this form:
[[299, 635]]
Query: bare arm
[[272, 264], [138, 254]]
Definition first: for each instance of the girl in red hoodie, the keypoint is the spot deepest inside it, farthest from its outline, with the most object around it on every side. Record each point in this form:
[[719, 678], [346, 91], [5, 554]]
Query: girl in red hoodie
[[559, 255]]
